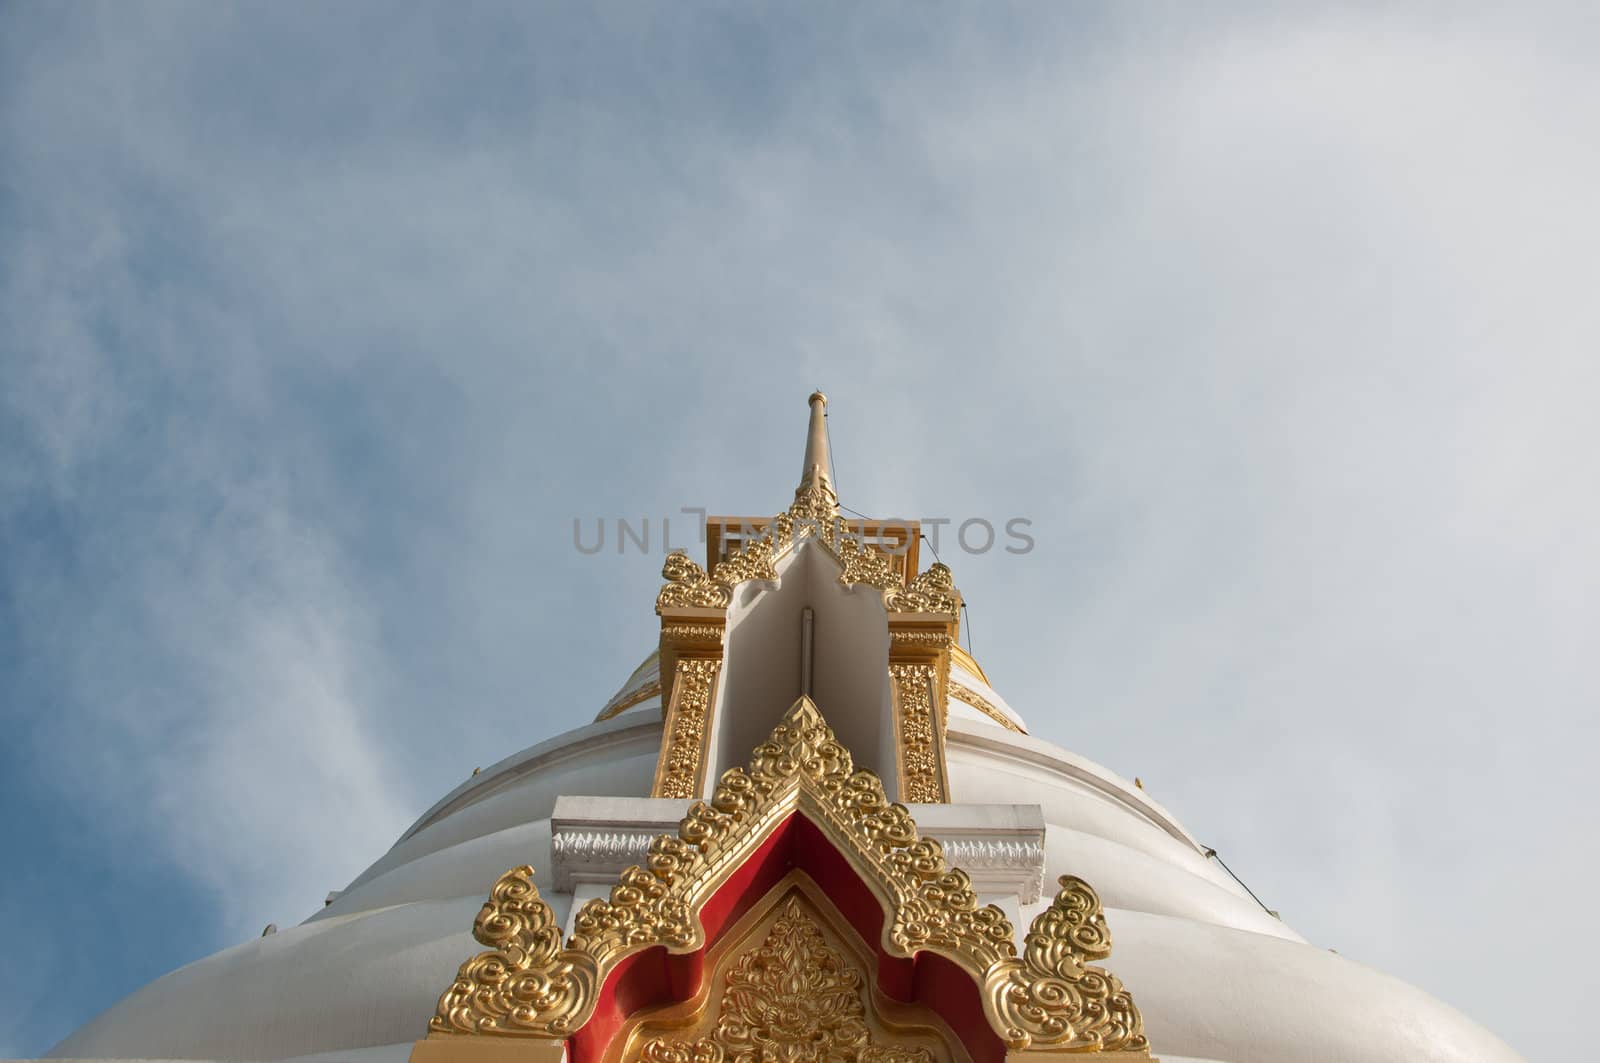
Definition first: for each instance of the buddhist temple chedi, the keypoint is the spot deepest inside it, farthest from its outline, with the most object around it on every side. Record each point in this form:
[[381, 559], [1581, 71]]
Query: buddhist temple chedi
[[806, 828]]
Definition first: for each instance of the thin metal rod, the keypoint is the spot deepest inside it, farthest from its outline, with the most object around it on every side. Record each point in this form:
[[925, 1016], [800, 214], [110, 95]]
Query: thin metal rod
[[807, 623], [1213, 854]]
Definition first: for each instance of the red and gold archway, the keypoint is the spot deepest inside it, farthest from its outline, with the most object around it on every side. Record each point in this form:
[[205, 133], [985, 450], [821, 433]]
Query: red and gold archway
[[796, 916]]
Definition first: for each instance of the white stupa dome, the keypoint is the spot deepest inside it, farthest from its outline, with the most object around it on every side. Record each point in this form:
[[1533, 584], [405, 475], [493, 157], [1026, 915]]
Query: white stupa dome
[[1216, 976]]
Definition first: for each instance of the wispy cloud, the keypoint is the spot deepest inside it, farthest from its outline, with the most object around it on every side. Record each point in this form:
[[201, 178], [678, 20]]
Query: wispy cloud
[[314, 343]]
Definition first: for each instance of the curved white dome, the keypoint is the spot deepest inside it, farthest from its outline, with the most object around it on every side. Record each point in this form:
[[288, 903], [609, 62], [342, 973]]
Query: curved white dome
[[1216, 977]]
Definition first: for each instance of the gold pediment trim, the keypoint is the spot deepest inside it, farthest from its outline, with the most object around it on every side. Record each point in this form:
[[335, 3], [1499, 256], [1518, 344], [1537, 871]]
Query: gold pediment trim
[[969, 662], [811, 518], [1050, 998]]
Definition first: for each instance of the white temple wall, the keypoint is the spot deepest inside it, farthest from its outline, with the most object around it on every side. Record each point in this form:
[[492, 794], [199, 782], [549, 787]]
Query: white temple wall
[[762, 674]]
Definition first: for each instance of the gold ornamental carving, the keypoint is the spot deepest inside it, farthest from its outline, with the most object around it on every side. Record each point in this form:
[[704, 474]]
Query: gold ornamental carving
[[689, 587], [755, 561], [791, 998], [527, 982], [966, 694], [1050, 998], [933, 591], [692, 632], [813, 516], [623, 702], [678, 770], [921, 764], [934, 640]]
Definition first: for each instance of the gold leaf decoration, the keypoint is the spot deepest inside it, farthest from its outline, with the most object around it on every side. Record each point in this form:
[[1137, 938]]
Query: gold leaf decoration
[[527, 983], [862, 564], [755, 561], [813, 516], [688, 715], [625, 701], [1049, 998], [792, 998], [921, 774], [933, 591], [688, 586], [971, 697], [936, 640], [692, 632]]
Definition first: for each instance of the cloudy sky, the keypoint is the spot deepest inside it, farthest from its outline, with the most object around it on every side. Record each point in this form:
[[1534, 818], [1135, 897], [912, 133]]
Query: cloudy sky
[[319, 327]]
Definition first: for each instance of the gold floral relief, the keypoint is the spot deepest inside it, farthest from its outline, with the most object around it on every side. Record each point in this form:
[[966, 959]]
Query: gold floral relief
[[792, 988], [918, 740], [687, 723]]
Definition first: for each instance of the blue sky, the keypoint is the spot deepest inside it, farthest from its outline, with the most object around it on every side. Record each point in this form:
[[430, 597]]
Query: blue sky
[[319, 327]]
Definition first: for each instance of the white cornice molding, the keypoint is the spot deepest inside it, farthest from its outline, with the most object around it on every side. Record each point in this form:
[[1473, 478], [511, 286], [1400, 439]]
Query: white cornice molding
[[594, 839], [1001, 847]]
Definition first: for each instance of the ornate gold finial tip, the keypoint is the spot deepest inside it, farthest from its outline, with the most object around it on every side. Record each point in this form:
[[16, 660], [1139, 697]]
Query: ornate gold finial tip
[[816, 397]]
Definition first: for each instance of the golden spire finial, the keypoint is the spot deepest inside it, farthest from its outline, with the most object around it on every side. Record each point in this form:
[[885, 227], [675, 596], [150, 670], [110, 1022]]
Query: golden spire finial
[[816, 481]]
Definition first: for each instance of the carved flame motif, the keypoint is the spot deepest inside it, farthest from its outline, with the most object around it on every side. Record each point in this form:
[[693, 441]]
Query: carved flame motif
[[688, 586], [527, 981], [1053, 997], [933, 591], [1049, 998], [790, 1000]]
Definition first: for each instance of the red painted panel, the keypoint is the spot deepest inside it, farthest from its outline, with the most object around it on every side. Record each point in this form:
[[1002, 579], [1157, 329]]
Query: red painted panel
[[653, 978]]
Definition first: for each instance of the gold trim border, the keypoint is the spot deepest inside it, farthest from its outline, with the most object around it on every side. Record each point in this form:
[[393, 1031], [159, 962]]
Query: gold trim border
[[967, 696], [681, 766], [643, 694]]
